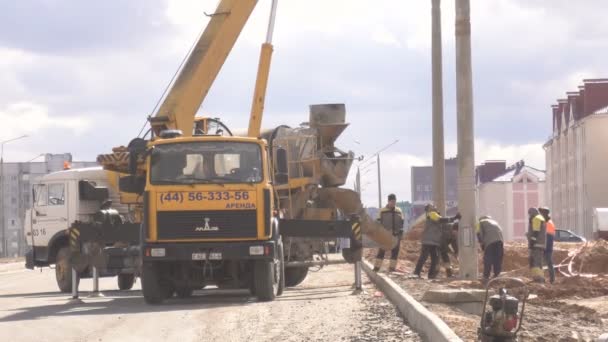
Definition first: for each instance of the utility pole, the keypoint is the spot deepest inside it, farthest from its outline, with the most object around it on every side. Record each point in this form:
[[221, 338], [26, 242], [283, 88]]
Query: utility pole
[[467, 252], [377, 155], [438, 145]]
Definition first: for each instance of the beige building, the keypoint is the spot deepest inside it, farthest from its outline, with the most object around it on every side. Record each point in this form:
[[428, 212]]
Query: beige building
[[577, 157], [507, 198]]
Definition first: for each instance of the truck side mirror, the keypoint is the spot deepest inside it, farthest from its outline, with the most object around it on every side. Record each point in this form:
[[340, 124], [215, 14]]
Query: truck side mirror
[[132, 184], [136, 147], [281, 176]]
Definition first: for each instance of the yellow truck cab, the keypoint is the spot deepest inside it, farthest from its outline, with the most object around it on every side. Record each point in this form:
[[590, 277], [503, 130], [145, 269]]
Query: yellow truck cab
[[208, 217]]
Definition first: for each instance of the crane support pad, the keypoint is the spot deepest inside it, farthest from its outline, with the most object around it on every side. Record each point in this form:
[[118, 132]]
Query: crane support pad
[[315, 228]]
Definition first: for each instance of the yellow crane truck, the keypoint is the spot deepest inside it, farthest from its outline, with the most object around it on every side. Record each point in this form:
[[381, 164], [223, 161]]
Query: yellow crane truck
[[213, 208]]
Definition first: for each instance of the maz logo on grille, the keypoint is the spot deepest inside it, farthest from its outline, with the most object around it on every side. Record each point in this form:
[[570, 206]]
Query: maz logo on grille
[[206, 227]]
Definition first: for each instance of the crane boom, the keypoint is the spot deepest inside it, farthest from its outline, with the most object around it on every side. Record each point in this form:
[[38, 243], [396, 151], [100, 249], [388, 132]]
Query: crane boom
[[186, 95], [261, 82]]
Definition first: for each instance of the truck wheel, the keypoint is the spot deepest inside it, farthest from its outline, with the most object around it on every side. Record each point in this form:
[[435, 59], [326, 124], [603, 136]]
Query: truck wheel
[[63, 270], [184, 292], [267, 276], [150, 284], [295, 275], [126, 281]]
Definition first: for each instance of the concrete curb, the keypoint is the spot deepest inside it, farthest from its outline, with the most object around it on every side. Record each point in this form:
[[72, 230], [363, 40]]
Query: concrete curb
[[419, 318], [13, 266]]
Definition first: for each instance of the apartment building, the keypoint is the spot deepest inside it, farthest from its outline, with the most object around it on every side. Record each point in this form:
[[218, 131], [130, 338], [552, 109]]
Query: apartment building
[[576, 159], [422, 187]]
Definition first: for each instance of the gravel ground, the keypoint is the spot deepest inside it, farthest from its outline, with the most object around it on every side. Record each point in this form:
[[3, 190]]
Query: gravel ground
[[324, 307], [381, 321]]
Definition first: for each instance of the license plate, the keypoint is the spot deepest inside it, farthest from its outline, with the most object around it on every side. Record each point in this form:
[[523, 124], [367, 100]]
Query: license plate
[[199, 256], [215, 256]]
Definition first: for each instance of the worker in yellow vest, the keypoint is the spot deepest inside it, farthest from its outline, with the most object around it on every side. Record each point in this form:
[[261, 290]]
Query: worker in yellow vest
[[391, 218], [537, 242]]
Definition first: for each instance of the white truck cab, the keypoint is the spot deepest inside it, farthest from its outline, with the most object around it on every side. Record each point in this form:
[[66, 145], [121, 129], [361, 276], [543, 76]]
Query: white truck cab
[[60, 199]]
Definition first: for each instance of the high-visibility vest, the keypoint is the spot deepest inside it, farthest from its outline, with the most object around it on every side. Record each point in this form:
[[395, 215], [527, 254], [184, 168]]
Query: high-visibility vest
[[550, 228]]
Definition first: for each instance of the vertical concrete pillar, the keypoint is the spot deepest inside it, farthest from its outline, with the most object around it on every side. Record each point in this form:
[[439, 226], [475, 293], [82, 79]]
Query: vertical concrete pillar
[[467, 253], [438, 143]]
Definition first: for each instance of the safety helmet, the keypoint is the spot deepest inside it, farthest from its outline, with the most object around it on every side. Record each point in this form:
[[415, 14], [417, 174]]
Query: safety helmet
[[430, 207]]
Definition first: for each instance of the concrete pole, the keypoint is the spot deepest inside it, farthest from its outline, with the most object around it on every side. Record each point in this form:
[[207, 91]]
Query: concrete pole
[[74, 284], [467, 253], [438, 145], [379, 183], [358, 285]]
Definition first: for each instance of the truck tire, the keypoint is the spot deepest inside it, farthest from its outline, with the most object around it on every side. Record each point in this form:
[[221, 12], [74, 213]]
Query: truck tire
[[151, 285], [184, 292], [295, 275], [63, 270], [268, 279], [126, 281]]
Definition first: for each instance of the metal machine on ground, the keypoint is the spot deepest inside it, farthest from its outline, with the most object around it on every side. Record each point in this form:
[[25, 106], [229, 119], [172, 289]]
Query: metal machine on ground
[[504, 319]]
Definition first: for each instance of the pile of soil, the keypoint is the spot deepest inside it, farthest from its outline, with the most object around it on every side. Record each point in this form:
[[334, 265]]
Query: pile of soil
[[415, 231], [594, 258], [584, 278]]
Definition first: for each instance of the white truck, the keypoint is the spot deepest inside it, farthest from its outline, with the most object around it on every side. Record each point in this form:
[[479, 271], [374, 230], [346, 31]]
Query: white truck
[[600, 223], [59, 200]]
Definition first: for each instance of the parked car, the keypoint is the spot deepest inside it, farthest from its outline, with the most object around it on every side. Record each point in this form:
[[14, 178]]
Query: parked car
[[563, 235]]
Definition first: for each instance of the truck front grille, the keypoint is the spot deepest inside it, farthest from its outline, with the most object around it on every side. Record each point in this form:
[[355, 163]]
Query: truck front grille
[[206, 224]]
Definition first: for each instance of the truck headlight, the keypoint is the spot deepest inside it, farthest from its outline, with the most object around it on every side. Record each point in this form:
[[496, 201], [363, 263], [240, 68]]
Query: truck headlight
[[256, 250], [157, 252]]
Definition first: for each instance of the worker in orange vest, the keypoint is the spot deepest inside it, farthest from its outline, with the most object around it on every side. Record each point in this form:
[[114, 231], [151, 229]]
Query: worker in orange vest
[[544, 211]]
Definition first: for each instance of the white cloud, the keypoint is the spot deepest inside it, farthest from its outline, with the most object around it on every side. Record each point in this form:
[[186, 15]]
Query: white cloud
[[383, 36], [532, 153], [30, 118]]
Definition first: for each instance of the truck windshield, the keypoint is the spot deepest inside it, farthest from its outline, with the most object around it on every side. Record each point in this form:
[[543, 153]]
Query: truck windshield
[[206, 162]]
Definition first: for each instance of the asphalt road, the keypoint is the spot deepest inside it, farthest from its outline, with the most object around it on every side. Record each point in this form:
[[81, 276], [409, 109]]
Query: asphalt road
[[323, 308]]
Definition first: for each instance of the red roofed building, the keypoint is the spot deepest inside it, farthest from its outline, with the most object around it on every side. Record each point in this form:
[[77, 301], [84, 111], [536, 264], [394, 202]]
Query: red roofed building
[[577, 157]]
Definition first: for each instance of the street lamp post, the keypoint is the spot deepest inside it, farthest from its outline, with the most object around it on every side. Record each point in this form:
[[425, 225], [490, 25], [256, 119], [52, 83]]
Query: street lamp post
[[377, 155], [4, 239]]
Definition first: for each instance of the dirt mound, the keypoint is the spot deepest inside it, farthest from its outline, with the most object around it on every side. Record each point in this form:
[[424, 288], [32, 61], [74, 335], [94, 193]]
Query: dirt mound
[[571, 287], [594, 258], [415, 231]]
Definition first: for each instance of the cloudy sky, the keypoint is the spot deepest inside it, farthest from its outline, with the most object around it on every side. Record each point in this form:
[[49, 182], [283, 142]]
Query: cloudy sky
[[81, 76]]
